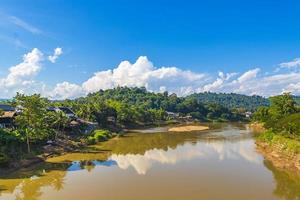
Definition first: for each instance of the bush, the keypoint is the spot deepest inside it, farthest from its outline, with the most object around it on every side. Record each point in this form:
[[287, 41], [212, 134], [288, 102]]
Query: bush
[[289, 125], [288, 145], [267, 136], [99, 136], [3, 159]]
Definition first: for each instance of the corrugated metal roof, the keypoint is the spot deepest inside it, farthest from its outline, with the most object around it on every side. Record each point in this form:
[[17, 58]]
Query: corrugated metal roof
[[6, 107]]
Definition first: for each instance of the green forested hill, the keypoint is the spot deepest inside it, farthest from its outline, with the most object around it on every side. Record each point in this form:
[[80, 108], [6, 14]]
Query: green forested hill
[[297, 99], [232, 100]]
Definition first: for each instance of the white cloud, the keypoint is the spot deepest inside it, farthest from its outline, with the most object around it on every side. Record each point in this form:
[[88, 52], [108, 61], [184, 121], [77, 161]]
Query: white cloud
[[24, 25], [173, 79], [248, 75], [143, 73], [57, 52], [293, 88], [291, 64], [20, 76], [66, 90], [218, 83]]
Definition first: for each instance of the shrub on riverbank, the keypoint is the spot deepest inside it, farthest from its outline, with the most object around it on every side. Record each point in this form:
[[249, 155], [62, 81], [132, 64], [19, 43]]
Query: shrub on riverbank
[[287, 145], [99, 136], [3, 159], [282, 117]]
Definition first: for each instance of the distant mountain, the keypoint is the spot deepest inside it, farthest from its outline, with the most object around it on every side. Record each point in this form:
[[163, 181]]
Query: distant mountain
[[297, 99], [232, 100], [4, 100]]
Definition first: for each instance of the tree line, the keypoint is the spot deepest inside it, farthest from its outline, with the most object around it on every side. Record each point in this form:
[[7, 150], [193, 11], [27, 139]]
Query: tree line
[[281, 117], [113, 109]]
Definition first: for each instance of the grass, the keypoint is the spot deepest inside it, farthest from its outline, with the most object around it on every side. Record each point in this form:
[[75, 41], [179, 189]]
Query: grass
[[288, 145]]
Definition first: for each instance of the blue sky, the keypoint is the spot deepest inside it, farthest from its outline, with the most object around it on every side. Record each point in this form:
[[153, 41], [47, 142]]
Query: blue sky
[[205, 39]]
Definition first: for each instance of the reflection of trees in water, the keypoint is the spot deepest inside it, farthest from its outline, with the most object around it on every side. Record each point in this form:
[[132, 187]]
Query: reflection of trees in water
[[287, 183], [27, 185], [2, 188], [88, 165], [140, 143]]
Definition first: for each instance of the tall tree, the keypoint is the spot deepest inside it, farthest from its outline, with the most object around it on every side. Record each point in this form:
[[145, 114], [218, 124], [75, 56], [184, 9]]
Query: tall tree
[[31, 121], [282, 105]]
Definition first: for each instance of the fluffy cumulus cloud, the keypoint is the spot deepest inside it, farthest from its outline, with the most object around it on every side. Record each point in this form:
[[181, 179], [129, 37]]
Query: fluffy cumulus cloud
[[218, 83], [250, 83], [57, 52], [66, 90], [142, 73], [292, 64], [20, 76], [184, 82]]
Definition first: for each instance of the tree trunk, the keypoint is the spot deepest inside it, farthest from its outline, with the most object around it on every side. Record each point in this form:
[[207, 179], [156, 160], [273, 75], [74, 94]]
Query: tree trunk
[[27, 140]]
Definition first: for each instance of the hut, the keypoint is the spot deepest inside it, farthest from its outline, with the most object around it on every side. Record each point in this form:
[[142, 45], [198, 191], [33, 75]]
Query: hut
[[8, 115]]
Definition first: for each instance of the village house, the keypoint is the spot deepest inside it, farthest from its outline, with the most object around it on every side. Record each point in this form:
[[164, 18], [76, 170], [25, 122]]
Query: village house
[[8, 115], [248, 114], [68, 112], [172, 115]]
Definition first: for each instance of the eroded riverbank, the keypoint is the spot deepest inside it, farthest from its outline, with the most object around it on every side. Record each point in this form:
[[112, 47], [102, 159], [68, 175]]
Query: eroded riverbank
[[279, 156]]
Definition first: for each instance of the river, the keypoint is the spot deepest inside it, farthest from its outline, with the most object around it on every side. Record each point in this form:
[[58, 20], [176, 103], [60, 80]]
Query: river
[[221, 163]]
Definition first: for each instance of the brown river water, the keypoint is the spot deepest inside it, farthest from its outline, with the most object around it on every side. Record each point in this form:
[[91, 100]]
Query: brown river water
[[221, 163]]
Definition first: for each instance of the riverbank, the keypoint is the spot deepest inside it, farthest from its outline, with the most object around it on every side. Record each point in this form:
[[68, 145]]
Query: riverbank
[[283, 152], [257, 127], [61, 147]]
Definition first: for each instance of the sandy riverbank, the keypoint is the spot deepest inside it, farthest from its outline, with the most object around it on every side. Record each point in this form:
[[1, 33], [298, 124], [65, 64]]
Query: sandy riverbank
[[188, 128]]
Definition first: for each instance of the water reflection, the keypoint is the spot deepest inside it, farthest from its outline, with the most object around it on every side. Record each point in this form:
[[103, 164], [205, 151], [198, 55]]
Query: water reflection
[[90, 165], [220, 150], [287, 183], [222, 160]]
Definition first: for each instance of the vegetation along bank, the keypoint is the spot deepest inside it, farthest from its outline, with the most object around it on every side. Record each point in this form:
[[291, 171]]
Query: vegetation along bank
[[34, 128], [280, 139]]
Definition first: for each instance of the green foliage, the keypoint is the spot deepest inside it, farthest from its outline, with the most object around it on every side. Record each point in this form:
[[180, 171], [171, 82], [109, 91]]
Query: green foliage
[[289, 125], [35, 123], [98, 136], [232, 101], [10, 145], [114, 109], [282, 116], [3, 159], [1, 112], [267, 136], [287, 145], [282, 105], [130, 106], [262, 114]]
